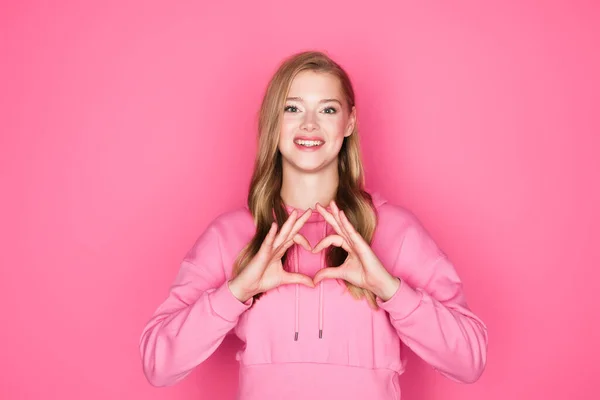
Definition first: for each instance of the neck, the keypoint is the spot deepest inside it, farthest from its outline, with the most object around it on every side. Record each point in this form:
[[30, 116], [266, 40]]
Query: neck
[[303, 190]]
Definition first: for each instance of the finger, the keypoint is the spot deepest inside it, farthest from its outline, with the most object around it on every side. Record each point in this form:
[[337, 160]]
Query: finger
[[329, 273], [355, 238], [280, 251], [285, 229], [292, 277], [335, 240], [269, 238], [300, 223], [330, 219], [301, 240], [336, 214]]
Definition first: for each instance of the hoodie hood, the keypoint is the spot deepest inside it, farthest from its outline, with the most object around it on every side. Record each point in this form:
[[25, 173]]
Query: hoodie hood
[[377, 198]]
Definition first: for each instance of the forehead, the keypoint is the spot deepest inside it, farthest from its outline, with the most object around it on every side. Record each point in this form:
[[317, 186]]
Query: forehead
[[316, 85]]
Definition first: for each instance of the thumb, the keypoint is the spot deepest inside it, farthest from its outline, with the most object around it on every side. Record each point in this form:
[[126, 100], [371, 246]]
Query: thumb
[[329, 273], [335, 240], [301, 240], [293, 277]]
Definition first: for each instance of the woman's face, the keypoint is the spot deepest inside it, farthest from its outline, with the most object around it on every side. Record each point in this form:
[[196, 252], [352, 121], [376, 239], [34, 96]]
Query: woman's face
[[316, 119]]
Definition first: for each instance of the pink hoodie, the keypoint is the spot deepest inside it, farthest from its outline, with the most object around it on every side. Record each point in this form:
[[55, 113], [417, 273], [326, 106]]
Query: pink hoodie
[[321, 343]]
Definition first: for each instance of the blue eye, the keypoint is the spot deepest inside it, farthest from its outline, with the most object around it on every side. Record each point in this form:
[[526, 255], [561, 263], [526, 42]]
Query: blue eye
[[291, 109], [330, 110]]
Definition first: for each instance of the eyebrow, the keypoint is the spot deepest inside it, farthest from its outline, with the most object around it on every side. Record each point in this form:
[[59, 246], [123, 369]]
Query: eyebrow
[[322, 101]]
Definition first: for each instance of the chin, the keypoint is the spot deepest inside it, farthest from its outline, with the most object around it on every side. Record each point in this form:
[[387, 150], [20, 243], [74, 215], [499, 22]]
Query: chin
[[307, 163], [308, 168], [312, 166]]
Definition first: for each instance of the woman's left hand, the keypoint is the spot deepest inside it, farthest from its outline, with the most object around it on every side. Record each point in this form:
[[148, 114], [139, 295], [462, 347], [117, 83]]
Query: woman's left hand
[[362, 268]]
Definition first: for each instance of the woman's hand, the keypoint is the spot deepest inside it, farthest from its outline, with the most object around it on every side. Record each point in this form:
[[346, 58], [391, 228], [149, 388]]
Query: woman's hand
[[265, 270], [362, 268]]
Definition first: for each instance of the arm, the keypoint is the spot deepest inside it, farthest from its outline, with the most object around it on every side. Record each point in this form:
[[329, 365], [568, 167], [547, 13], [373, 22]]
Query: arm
[[194, 319], [429, 310]]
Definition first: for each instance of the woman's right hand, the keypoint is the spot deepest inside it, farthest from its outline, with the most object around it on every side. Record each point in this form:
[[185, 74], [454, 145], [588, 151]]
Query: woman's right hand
[[265, 270]]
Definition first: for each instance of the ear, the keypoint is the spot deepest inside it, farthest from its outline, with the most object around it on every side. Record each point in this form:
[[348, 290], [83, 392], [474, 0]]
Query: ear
[[351, 122]]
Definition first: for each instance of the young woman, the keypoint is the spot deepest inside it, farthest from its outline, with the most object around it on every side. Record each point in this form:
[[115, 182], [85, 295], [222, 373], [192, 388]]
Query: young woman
[[325, 283]]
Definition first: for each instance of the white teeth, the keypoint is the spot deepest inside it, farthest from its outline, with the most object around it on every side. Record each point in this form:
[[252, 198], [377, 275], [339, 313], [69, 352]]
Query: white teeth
[[308, 143]]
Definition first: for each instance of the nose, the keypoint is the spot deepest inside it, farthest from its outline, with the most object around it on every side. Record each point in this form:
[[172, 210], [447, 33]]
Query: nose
[[309, 123]]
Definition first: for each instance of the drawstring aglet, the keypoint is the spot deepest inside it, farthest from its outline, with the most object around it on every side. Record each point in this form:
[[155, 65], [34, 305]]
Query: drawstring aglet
[[296, 336], [320, 333]]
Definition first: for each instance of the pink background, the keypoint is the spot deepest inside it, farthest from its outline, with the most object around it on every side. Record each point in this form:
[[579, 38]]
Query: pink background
[[127, 126]]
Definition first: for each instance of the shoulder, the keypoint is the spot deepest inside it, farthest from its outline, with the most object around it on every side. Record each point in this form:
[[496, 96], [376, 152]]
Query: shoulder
[[399, 227], [396, 215], [225, 234], [393, 216], [232, 226], [237, 218], [403, 240]]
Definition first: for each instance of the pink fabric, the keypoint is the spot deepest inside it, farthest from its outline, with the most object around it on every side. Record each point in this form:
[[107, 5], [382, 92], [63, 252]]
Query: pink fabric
[[361, 352]]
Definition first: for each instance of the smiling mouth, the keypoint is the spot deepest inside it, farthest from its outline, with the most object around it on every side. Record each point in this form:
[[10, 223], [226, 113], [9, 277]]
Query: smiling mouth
[[308, 143]]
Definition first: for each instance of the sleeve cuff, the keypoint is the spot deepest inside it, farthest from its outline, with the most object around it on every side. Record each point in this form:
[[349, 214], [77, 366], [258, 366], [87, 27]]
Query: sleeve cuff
[[226, 305], [403, 302]]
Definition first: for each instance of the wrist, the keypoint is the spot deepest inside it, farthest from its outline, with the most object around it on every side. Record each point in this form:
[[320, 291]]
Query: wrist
[[238, 292], [387, 288]]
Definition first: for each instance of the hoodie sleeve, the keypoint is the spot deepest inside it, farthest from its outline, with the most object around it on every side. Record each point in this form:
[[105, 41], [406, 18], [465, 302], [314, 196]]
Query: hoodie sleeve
[[194, 318], [429, 310]]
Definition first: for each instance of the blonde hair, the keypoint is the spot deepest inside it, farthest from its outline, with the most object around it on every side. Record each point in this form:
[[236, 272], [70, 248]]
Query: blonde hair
[[264, 198]]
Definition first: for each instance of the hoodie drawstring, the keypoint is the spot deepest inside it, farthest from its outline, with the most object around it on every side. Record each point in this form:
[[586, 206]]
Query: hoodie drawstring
[[321, 287], [297, 294], [297, 316]]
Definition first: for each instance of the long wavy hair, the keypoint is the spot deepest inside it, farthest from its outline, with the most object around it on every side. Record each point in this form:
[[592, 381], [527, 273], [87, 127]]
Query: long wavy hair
[[264, 198]]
